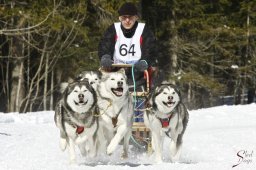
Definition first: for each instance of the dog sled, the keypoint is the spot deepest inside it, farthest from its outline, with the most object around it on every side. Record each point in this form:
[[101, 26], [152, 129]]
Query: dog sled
[[141, 135]]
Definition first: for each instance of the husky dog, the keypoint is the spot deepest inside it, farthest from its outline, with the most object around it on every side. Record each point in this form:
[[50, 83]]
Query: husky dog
[[74, 116], [168, 117], [116, 110], [92, 76]]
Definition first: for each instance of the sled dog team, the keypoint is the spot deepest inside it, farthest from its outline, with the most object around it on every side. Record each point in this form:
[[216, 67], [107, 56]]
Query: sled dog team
[[95, 113]]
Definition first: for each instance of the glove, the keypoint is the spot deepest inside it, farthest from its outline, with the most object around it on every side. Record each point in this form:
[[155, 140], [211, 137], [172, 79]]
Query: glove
[[106, 61], [141, 66]]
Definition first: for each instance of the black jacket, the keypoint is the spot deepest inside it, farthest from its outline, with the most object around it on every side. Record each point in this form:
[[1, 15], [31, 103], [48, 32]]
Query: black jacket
[[148, 47]]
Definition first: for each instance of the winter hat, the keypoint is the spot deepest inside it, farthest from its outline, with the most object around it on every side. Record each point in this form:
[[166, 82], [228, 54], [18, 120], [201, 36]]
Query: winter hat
[[128, 9]]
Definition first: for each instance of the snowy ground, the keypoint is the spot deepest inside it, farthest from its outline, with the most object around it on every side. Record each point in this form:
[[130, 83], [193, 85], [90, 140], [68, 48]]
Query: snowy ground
[[216, 139]]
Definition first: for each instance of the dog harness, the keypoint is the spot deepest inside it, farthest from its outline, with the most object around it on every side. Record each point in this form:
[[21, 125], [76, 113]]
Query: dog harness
[[128, 50], [166, 121], [79, 129]]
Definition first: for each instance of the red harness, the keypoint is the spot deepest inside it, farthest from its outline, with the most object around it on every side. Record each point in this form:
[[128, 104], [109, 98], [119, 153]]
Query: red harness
[[165, 122], [79, 129]]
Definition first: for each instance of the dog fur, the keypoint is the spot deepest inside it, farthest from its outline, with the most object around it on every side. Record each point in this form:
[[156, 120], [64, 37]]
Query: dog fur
[[168, 117], [74, 116], [92, 76], [116, 110]]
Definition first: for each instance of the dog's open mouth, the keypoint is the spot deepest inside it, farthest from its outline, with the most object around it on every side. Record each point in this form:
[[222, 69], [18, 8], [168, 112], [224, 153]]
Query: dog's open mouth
[[169, 103], [118, 91], [81, 102]]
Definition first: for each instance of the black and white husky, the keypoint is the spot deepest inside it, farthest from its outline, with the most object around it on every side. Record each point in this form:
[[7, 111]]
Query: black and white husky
[[168, 117], [74, 116], [92, 76], [116, 110]]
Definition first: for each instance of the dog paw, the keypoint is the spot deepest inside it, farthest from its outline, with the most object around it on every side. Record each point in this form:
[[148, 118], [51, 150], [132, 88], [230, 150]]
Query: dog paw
[[92, 154], [109, 154], [72, 161], [110, 150], [159, 160], [124, 155], [176, 157], [63, 144]]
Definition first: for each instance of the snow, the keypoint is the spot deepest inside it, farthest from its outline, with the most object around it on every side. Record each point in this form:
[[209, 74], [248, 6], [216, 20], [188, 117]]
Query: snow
[[213, 140]]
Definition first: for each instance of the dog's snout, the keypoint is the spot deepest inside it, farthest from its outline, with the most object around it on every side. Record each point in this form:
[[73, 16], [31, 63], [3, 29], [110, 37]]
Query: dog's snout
[[80, 96], [170, 97], [120, 83]]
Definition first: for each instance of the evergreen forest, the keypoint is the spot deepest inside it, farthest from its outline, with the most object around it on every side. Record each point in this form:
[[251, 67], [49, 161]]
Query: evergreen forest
[[207, 48]]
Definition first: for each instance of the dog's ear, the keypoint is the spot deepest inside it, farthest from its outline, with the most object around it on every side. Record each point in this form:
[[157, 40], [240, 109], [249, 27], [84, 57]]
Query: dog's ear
[[121, 70], [79, 76], [150, 101], [63, 87], [166, 83], [157, 89], [103, 72], [99, 74]]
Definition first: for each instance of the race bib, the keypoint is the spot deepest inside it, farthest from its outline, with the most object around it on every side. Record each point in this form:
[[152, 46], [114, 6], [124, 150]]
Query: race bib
[[128, 50]]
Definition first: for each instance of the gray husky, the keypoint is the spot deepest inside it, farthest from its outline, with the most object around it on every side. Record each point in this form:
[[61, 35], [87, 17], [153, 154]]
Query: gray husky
[[167, 117], [74, 116]]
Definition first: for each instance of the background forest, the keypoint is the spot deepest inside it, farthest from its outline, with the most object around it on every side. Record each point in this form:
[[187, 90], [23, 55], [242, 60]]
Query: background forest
[[206, 47]]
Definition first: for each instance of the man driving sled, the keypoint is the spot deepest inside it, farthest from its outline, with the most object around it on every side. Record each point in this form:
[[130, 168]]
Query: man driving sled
[[128, 42]]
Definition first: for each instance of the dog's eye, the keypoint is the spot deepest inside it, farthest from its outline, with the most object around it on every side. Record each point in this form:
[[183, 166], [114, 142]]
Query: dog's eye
[[96, 79], [112, 79], [85, 91], [165, 93], [173, 92], [122, 79], [75, 91]]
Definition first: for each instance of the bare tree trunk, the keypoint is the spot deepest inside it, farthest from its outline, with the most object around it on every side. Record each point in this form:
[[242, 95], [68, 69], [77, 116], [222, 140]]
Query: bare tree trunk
[[17, 77], [5, 74], [7, 85], [238, 91], [189, 93], [243, 97], [21, 89], [212, 75], [52, 86], [174, 40], [46, 81], [17, 88], [29, 100], [28, 62]]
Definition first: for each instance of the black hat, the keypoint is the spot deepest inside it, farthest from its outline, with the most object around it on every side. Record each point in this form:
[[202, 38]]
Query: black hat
[[128, 9]]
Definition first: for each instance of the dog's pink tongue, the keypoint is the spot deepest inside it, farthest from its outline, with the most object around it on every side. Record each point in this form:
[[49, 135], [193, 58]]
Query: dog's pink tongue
[[119, 93]]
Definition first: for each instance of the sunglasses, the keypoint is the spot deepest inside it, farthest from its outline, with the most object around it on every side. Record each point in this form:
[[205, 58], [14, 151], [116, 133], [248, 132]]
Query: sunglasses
[[124, 17]]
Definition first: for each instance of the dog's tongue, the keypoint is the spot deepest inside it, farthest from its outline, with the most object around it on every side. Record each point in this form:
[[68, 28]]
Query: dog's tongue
[[170, 103], [118, 91]]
